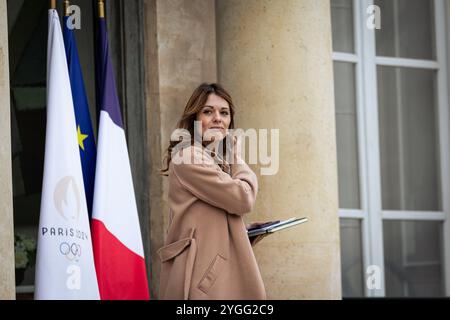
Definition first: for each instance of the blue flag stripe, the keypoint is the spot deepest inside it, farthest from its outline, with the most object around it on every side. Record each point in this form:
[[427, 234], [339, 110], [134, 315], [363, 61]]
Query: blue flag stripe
[[107, 93]]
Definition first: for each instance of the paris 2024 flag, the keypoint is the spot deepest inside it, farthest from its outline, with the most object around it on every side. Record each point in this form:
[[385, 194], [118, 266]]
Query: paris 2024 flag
[[65, 264], [116, 233]]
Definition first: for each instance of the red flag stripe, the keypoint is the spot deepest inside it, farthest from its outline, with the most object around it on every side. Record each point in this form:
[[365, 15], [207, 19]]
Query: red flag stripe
[[121, 273]]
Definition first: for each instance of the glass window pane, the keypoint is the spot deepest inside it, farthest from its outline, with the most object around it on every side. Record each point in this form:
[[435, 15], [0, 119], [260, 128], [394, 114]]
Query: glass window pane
[[346, 132], [409, 151], [407, 29], [413, 258], [351, 258], [342, 25]]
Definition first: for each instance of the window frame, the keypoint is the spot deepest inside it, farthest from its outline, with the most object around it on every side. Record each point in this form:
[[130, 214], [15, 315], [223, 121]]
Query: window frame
[[371, 214]]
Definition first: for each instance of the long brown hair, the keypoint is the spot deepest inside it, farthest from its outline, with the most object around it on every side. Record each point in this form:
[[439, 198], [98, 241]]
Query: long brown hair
[[194, 105]]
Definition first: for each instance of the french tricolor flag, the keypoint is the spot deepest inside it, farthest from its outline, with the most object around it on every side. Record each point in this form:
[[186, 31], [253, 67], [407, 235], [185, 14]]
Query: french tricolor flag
[[116, 235]]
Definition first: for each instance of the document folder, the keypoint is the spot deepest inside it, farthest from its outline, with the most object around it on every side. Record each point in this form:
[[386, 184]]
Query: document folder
[[275, 226]]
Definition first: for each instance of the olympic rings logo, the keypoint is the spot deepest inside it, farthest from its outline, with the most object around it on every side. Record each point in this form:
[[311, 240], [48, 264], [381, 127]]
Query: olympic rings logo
[[70, 251]]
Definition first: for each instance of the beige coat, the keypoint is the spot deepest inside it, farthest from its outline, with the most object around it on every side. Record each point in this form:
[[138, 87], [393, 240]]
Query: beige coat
[[207, 254]]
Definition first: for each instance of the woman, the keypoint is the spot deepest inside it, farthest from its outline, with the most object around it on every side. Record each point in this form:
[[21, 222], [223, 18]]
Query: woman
[[207, 253]]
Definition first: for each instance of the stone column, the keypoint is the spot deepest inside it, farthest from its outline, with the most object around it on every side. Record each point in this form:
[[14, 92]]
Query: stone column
[[180, 53], [7, 272], [275, 57]]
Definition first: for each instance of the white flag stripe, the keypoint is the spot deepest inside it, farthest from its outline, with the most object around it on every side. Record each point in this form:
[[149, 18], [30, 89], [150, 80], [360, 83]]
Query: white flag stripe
[[64, 263], [115, 205]]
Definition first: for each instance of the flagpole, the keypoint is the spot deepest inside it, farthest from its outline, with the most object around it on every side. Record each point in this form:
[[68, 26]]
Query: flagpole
[[66, 8], [101, 9], [52, 4]]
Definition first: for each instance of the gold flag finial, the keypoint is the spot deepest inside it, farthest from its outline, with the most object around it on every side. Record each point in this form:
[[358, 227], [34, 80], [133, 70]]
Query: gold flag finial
[[101, 9], [52, 4], [66, 8]]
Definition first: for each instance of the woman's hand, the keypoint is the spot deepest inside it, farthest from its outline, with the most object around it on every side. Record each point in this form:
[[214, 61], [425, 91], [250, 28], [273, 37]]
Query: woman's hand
[[255, 239], [236, 149]]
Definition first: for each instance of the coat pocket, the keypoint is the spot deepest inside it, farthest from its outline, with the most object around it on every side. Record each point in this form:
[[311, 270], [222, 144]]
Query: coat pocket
[[177, 266], [211, 274]]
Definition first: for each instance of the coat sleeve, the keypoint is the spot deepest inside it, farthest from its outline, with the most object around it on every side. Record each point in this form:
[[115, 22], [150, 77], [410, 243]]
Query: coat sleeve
[[235, 194]]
